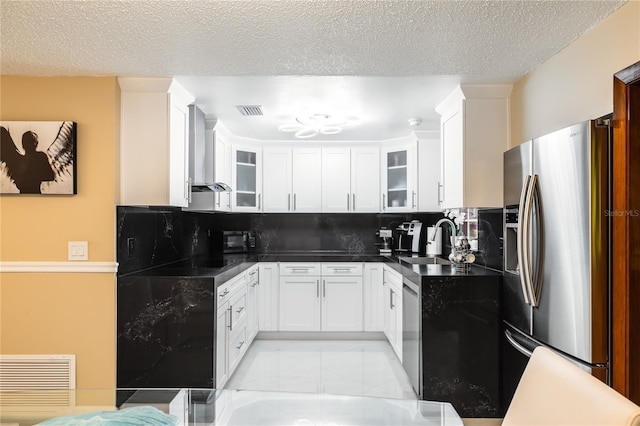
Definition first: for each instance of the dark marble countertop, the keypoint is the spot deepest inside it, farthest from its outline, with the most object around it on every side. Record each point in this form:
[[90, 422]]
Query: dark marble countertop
[[221, 268]]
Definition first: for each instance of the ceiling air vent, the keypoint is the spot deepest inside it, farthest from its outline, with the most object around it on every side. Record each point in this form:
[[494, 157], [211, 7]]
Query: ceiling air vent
[[250, 109]]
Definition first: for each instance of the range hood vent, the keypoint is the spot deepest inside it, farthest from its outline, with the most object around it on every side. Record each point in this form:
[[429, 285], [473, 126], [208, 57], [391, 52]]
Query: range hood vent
[[201, 155], [251, 110]]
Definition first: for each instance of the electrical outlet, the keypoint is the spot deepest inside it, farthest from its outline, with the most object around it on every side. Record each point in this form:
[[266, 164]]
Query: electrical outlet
[[78, 250], [131, 246]]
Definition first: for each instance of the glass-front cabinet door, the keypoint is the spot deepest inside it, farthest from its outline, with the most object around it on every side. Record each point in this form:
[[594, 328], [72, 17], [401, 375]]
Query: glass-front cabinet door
[[247, 179], [398, 178]]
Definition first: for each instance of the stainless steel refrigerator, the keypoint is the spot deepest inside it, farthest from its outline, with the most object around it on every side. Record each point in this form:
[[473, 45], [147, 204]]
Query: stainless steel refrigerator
[[557, 250]]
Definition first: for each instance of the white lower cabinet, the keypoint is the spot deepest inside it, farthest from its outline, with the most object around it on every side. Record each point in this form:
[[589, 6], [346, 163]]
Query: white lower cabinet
[[392, 282], [232, 324], [300, 303], [321, 297], [268, 296], [373, 292], [252, 302], [222, 372], [341, 303]]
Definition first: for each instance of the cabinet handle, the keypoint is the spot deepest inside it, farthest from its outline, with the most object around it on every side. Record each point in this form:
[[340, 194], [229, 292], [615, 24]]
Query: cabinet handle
[[240, 345], [391, 306], [384, 202], [413, 199], [224, 293], [259, 201], [188, 190], [294, 201], [218, 196], [254, 284], [353, 205], [324, 288], [299, 269], [230, 309], [347, 202], [289, 202], [240, 309], [317, 288], [439, 199], [229, 200]]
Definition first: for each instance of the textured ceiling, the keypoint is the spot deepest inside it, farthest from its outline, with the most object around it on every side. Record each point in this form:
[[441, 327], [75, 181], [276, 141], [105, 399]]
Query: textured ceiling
[[473, 41]]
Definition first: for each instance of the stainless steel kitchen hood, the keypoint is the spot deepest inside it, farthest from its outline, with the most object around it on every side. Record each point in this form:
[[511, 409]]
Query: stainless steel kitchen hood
[[202, 154]]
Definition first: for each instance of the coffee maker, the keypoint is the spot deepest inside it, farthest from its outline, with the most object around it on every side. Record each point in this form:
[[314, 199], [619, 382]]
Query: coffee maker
[[385, 237], [409, 237]]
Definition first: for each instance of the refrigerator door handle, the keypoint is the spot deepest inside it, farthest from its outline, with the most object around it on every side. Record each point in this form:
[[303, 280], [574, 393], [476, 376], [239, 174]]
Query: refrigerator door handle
[[526, 239], [517, 346], [536, 281], [522, 263]]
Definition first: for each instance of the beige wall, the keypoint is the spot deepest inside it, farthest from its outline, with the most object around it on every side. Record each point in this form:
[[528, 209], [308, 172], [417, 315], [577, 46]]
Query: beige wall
[[577, 83], [64, 312]]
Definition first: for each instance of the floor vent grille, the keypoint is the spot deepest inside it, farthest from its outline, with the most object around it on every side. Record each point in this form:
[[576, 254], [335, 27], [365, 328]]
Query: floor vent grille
[[41, 381]]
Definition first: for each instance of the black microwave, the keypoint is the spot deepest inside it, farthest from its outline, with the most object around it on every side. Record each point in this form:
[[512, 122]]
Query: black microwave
[[233, 241]]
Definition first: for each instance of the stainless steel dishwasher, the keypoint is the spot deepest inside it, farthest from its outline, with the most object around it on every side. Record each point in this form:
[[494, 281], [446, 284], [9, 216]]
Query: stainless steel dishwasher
[[412, 334]]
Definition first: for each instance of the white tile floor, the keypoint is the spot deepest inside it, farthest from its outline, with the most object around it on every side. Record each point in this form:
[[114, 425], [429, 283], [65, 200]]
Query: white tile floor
[[359, 368]]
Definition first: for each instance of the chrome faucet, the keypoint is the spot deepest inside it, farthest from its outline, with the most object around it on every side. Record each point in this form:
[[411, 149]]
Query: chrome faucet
[[440, 222]]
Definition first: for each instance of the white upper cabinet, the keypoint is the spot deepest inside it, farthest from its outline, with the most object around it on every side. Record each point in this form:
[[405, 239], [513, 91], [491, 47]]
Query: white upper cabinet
[[154, 142], [277, 179], [222, 169], [474, 131], [307, 180], [336, 179], [292, 180], [246, 179], [365, 179], [399, 178], [429, 180]]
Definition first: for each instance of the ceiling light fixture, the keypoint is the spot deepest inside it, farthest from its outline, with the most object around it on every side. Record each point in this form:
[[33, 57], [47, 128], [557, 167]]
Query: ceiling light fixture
[[415, 122], [313, 125]]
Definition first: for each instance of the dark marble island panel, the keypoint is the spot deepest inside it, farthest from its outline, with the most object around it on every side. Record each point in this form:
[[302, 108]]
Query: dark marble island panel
[[165, 332], [461, 343]]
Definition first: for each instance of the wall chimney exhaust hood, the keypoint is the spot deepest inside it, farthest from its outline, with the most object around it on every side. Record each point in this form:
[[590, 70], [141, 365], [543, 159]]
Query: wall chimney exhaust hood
[[202, 156]]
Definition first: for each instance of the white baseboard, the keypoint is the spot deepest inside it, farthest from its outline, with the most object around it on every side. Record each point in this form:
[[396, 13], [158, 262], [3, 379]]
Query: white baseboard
[[320, 335]]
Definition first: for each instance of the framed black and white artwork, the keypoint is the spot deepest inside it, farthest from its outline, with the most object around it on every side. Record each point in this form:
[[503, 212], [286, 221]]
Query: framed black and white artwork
[[38, 157]]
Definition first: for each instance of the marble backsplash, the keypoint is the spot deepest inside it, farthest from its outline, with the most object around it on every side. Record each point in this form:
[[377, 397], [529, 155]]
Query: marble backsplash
[[152, 236]]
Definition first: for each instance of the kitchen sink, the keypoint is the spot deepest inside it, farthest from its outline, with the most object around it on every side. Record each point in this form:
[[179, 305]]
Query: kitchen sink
[[423, 260]]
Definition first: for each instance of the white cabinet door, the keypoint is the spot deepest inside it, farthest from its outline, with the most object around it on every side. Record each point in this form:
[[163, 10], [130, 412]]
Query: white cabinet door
[[429, 179], [393, 309], [179, 181], [399, 178], [474, 132], [299, 303], [268, 298], [222, 171], [342, 304], [154, 142], [252, 303], [277, 180], [365, 179], [452, 161], [307, 180], [222, 367], [246, 179], [336, 186], [373, 292]]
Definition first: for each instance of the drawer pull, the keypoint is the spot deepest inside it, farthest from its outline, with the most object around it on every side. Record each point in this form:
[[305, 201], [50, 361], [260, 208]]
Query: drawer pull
[[240, 345], [240, 309], [225, 292]]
